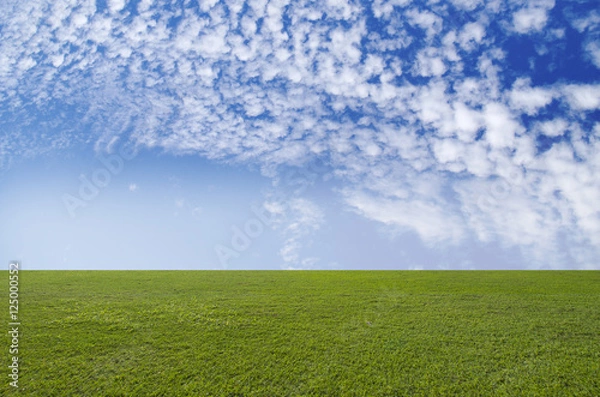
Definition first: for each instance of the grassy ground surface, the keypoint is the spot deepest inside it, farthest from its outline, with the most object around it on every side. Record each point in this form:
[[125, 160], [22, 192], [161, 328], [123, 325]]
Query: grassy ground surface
[[340, 333]]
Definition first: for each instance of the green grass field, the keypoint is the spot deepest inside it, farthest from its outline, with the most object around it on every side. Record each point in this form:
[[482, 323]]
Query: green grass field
[[251, 333]]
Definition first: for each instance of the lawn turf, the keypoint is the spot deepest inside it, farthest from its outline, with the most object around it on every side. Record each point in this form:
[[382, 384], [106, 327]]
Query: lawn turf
[[313, 333]]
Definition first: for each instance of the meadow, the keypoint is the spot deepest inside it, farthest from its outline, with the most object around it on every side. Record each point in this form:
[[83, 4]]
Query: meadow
[[276, 333]]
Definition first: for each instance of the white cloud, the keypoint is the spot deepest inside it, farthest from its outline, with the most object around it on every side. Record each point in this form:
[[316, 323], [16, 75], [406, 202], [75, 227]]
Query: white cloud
[[428, 21], [385, 8], [431, 222], [512, 217], [448, 150], [116, 5], [206, 5], [471, 36], [500, 126], [529, 99], [589, 22], [552, 128], [467, 5], [430, 63], [583, 97], [579, 183], [593, 50], [433, 106], [530, 19], [467, 122], [26, 63], [476, 160], [302, 217]]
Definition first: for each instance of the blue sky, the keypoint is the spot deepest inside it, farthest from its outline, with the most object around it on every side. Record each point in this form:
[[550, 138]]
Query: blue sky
[[335, 134]]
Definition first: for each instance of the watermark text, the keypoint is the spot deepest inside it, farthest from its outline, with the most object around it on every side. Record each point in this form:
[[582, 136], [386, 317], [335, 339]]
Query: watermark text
[[13, 324]]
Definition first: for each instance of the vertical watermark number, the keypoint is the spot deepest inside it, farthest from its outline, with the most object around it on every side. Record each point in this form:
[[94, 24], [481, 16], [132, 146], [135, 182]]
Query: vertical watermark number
[[13, 323]]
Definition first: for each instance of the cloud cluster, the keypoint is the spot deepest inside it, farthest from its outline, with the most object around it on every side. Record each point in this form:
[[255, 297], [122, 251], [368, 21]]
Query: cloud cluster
[[415, 107]]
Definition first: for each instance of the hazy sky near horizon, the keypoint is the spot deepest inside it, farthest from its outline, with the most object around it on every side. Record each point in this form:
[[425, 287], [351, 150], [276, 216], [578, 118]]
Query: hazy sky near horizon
[[276, 134]]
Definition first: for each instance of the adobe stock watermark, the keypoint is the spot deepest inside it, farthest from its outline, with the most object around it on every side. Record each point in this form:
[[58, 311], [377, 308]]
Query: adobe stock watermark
[[100, 178], [242, 237], [499, 190], [266, 216], [14, 323]]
